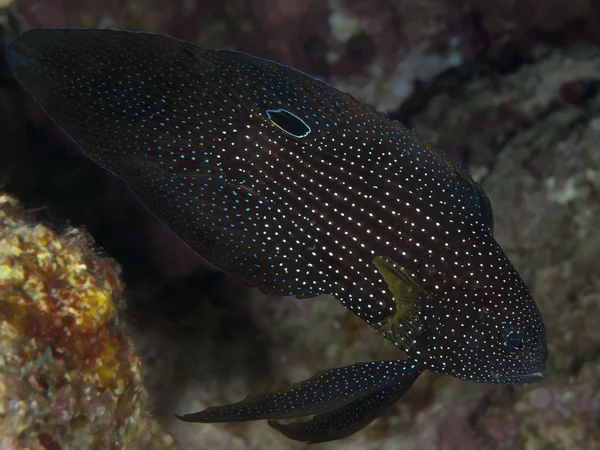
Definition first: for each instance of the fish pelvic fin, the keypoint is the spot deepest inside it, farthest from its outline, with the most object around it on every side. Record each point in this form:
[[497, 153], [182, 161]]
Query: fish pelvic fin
[[350, 418], [326, 391]]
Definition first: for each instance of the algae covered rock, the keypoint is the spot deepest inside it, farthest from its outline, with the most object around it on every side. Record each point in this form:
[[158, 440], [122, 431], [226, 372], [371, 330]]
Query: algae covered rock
[[69, 377]]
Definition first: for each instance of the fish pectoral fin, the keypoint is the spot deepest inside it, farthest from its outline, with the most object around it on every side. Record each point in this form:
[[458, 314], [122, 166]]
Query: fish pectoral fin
[[348, 419], [326, 391], [401, 327]]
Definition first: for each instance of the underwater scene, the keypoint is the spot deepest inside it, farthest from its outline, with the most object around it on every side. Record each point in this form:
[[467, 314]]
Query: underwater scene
[[259, 224]]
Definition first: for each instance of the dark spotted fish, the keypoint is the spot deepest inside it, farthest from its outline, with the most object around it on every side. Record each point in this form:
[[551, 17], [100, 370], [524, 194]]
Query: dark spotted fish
[[294, 187]]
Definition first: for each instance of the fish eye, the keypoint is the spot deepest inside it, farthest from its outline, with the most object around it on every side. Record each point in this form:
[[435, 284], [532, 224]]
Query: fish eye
[[288, 122], [514, 341]]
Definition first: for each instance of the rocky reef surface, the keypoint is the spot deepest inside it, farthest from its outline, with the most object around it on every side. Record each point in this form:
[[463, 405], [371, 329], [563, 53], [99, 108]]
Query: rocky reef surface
[[510, 87], [69, 377]]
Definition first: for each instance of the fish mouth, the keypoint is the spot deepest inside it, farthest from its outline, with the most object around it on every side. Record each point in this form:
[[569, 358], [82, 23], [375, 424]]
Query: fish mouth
[[527, 378], [531, 377], [521, 378]]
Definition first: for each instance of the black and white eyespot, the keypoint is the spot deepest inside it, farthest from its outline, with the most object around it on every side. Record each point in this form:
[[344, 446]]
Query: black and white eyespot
[[288, 122], [513, 340]]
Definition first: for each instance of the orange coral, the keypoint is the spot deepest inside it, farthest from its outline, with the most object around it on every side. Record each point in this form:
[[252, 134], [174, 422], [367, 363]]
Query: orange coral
[[68, 371]]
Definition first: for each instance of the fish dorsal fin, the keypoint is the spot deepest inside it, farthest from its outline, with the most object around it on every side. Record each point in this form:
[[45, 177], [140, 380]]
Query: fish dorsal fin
[[402, 327], [456, 183], [487, 213], [478, 202]]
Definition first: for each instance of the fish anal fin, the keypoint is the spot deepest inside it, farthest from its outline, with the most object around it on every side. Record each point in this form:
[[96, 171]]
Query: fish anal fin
[[216, 218]]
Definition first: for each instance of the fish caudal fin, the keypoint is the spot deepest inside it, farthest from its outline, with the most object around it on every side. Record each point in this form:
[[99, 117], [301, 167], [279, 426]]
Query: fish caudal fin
[[327, 391], [348, 419]]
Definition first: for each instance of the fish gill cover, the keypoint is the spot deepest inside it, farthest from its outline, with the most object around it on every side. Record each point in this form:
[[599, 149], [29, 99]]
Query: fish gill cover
[[291, 186]]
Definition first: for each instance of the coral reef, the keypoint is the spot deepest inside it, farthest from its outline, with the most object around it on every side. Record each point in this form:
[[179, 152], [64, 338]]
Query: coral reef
[[69, 378]]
